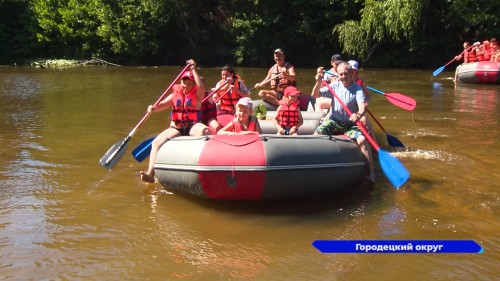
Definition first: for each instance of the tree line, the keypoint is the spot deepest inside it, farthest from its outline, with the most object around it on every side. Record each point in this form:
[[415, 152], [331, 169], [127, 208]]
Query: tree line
[[378, 33]]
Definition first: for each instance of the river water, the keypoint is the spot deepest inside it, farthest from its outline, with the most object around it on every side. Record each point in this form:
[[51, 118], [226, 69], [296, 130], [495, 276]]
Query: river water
[[64, 217]]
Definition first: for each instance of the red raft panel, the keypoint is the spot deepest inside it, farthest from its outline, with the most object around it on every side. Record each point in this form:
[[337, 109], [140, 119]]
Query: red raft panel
[[482, 72]]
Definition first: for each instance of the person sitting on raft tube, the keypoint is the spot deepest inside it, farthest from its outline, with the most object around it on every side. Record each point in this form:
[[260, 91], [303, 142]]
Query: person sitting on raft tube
[[283, 74], [244, 123], [288, 116], [228, 95], [185, 101], [339, 122]]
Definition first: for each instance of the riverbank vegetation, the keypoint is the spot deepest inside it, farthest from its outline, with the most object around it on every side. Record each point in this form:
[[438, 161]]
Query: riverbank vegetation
[[389, 33]]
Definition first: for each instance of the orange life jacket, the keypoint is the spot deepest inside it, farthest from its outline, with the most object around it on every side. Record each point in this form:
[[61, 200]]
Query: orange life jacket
[[469, 56], [288, 115], [279, 84], [184, 112], [229, 99], [237, 126]]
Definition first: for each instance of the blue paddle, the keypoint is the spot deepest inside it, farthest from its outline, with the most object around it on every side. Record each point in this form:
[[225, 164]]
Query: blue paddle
[[439, 70], [143, 150], [391, 140], [392, 168]]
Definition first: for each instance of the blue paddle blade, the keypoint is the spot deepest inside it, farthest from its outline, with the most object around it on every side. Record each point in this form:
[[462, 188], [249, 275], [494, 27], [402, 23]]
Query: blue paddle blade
[[143, 150], [437, 71], [393, 141], [393, 169]]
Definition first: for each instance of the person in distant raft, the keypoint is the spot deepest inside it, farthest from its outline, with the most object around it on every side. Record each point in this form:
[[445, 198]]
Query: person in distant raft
[[185, 101], [284, 74]]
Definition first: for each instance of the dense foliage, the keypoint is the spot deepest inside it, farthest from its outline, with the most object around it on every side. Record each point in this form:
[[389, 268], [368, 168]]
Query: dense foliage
[[395, 33]]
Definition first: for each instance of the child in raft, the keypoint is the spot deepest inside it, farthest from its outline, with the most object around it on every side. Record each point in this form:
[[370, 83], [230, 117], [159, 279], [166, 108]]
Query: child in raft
[[244, 123], [288, 116]]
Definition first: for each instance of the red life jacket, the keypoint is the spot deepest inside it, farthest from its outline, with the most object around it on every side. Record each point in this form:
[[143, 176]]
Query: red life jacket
[[208, 110], [479, 54], [237, 126], [229, 99], [288, 115], [359, 82], [280, 84], [184, 112], [469, 56]]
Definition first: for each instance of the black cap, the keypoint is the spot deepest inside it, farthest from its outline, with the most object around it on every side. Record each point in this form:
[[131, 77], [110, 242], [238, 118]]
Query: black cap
[[336, 57]]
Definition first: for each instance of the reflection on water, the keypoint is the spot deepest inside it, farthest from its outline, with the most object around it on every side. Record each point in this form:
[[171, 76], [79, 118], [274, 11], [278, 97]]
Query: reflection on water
[[64, 217]]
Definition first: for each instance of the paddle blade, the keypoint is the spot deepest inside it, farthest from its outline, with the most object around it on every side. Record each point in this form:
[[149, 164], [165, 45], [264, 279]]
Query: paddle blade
[[437, 71], [393, 141], [143, 150], [114, 154], [402, 101], [393, 169]]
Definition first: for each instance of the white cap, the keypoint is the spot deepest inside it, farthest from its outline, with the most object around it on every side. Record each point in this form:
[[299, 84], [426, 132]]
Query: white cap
[[354, 64], [246, 101]]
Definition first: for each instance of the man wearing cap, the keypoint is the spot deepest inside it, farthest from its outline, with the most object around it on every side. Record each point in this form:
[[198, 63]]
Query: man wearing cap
[[339, 122], [281, 75], [335, 61], [185, 101]]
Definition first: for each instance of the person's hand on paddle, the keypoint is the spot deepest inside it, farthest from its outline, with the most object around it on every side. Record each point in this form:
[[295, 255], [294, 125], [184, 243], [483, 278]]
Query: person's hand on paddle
[[319, 73], [191, 63]]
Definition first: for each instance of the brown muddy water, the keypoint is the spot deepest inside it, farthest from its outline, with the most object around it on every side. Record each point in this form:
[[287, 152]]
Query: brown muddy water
[[64, 217]]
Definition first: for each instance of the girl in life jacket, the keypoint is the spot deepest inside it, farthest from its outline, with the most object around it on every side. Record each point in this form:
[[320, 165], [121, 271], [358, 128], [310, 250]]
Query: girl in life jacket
[[227, 96], [288, 116], [185, 102], [244, 123]]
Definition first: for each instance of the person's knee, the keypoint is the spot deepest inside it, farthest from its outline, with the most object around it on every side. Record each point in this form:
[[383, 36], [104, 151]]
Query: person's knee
[[262, 93]]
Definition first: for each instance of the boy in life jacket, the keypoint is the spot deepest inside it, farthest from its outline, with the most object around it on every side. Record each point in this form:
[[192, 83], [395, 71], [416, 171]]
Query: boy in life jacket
[[244, 123], [288, 116], [185, 101], [227, 96], [284, 75]]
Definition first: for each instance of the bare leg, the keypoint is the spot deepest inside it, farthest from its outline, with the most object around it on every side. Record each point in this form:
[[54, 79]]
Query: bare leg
[[322, 104], [155, 146], [214, 125], [367, 152], [199, 129], [270, 96], [366, 122]]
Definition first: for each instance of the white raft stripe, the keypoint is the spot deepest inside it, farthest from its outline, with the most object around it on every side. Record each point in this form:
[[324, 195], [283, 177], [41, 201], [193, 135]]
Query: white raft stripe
[[254, 168]]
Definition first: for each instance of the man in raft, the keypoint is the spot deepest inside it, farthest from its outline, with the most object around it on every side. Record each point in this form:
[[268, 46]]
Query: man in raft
[[339, 122]]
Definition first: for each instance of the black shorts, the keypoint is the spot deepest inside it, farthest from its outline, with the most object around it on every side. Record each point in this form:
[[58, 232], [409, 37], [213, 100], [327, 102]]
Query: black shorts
[[184, 130]]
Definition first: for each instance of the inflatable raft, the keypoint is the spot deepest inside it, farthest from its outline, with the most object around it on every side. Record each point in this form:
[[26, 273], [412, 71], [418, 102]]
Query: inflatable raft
[[483, 72], [259, 167]]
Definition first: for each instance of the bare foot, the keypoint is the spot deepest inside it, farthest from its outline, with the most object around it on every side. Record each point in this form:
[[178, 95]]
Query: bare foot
[[147, 178]]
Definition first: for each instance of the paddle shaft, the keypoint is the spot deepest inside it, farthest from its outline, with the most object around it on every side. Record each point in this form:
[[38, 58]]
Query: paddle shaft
[[376, 121], [266, 81], [146, 116], [459, 55], [400, 101], [216, 90], [221, 96], [358, 123]]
